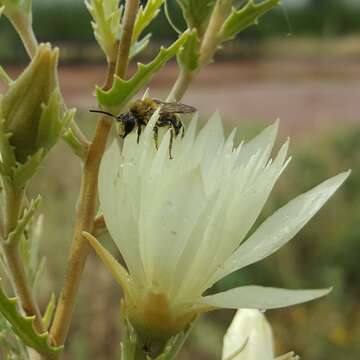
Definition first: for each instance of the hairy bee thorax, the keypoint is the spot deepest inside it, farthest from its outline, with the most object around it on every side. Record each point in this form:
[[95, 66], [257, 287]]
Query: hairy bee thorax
[[144, 108]]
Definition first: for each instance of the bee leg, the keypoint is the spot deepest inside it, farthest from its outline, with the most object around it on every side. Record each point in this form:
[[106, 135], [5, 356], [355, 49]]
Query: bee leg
[[156, 137], [138, 133], [182, 129], [171, 143]]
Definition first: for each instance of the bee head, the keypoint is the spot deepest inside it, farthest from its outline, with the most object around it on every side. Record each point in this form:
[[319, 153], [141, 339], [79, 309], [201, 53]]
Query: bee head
[[125, 124]]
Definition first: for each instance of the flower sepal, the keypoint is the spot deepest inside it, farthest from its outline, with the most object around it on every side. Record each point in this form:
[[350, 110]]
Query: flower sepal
[[134, 346], [149, 312]]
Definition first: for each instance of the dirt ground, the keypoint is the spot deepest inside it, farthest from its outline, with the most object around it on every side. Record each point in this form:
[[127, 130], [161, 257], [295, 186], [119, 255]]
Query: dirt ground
[[304, 94]]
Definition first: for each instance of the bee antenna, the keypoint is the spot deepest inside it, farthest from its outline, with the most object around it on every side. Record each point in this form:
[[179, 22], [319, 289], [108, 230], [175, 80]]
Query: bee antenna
[[102, 112]]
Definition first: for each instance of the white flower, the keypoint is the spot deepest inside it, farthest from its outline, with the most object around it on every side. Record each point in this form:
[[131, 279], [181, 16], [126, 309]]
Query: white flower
[[180, 223], [249, 337]]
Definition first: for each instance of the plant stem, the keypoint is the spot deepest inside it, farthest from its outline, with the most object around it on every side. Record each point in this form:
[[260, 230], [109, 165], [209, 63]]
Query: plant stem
[[122, 62], [209, 45], [88, 191], [23, 26], [14, 199], [84, 222], [181, 85], [211, 39]]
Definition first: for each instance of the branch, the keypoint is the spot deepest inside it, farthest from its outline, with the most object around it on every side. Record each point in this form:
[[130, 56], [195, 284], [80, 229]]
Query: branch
[[122, 62], [88, 192]]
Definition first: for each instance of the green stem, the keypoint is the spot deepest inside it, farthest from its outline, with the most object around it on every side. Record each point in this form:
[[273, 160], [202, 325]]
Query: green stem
[[181, 85], [84, 222], [211, 39], [209, 44], [122, 62], [14, 199], [22, 24]]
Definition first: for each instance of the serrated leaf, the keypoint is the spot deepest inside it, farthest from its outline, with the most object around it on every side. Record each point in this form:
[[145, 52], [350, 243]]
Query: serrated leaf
[[244, 17], [188, 57], [197, 13], [107, 24], [22, 173], [123, 90], [15, 236], [145, 16], [139, 46], [23, 326], [71, 139]]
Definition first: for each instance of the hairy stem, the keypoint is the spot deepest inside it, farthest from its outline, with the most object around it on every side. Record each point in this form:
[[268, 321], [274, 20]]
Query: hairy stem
[[88, 191], [122, 62], [23, 26], [14, 199]]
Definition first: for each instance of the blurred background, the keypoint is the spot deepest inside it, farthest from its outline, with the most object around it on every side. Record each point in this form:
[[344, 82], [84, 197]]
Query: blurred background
[[300, 64]]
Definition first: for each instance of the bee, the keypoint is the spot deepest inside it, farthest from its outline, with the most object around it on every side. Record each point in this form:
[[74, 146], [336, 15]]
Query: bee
[[140, 113]]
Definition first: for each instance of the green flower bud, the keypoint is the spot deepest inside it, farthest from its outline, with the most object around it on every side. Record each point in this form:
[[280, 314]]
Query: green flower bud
[[32, 109]]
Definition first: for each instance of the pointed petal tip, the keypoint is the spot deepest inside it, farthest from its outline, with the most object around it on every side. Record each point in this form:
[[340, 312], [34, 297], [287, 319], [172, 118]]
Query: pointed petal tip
[[336, 181]]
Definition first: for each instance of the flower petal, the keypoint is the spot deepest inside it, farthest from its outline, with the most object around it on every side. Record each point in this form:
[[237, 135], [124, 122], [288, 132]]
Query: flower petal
[[282, 226], [259, 297], [116, 203], [265, 140], [117, 270], [249, 337]]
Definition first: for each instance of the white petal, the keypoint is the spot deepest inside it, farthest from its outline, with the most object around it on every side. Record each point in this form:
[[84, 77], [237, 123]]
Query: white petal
[[282, 226], [259, 297], [289, 356], [208, 141], [117, 209], [265, 140], [249, 337]]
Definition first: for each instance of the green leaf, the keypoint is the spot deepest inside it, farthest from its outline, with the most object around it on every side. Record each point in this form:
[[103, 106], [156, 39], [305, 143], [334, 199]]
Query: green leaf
[[23, 326], [49, 312], [52, 122], [145, 16], [197, 13], [139, 46], [123, 90], [188, 57], [107, 16], [174, 344], [8, 160], [244, 17], [22, 173], [4, 76], [15, 236], [71, 139]]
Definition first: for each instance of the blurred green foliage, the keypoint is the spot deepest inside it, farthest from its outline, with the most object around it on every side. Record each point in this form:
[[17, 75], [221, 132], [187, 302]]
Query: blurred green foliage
[[68, 22]]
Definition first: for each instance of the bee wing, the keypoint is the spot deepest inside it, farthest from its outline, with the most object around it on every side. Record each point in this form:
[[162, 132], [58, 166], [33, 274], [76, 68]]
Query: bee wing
[[174, 108]]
